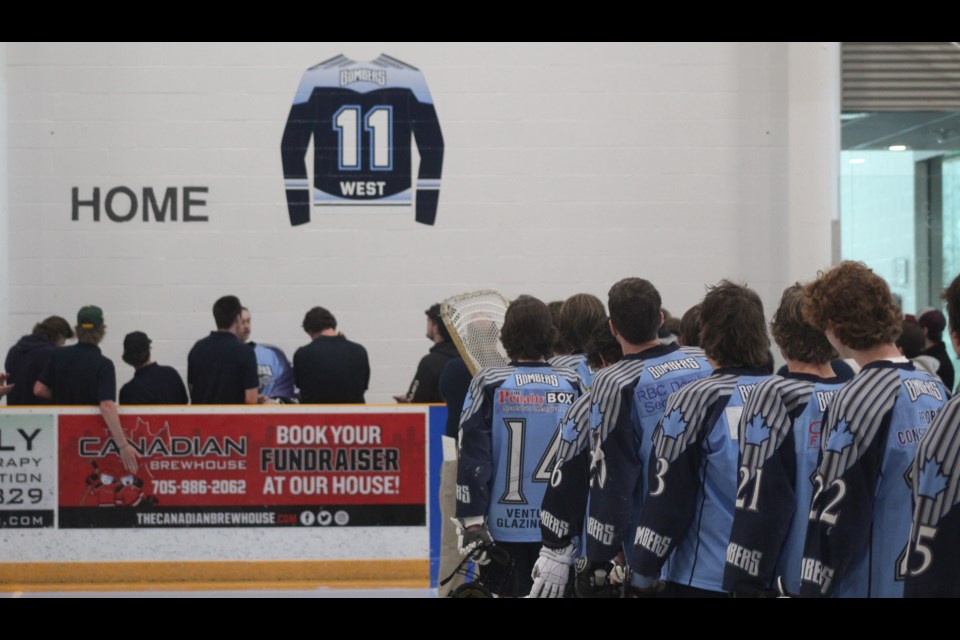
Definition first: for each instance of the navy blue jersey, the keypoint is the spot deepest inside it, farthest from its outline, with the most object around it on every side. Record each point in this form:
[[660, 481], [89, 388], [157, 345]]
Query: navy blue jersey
[[692, 480], [859, 519], [933, 564], [510, 417], [274, 370], [564, 503], [779, 448], [577, 362], [361, 116], [628, 401]]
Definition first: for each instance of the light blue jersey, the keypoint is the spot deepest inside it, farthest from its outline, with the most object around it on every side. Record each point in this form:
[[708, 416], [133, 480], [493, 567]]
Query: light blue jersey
[[859, 520], [509, 420], [274, 370], [692, 482], [628, 401], [577, 362], [779, 448]]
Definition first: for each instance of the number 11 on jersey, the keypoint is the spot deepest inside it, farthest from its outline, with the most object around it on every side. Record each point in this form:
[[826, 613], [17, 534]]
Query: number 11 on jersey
[[378, 123]]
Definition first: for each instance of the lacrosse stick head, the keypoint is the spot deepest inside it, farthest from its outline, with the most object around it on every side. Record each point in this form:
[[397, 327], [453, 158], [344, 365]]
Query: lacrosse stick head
[[474, 320]]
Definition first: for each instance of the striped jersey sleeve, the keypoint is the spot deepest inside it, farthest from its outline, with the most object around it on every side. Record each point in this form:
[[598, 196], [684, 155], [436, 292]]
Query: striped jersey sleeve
[[933, 563]]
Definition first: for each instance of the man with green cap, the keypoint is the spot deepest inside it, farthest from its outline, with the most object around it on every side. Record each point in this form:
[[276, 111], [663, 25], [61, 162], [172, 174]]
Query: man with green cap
[[82, 375]]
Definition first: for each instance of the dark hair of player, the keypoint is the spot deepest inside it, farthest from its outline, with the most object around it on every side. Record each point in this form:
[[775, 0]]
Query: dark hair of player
[[952, 297], [854, 303], [318, 319], [226, 310], [690, 327], [797, 339], [559, 346], [528, 332], [52, 328], [634, 306], [91, 336], [579, 315], [437, 319], [911, 340], [733, 331], [136, 358], [602, 344]]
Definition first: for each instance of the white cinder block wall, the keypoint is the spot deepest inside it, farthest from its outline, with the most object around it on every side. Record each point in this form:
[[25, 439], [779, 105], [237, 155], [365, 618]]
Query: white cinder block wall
[[566, 168], [4, 230]]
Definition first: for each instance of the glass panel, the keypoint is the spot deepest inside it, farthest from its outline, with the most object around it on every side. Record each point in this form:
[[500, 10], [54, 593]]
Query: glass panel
[[951, 234], [877, 216]]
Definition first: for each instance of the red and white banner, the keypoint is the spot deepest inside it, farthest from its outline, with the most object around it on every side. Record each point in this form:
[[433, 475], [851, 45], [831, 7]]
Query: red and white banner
[[245, 470]]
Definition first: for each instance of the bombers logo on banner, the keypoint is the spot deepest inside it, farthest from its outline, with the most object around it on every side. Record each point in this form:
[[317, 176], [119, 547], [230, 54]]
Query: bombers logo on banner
[[361, 116], [236, 470]]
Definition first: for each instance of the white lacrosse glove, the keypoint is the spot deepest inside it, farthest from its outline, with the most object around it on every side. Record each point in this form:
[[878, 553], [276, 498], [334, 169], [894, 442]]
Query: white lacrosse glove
[[551, 573], [474, 543]]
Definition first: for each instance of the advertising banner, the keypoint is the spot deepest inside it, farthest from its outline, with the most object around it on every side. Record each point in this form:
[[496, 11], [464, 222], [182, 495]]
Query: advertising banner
[[245, 470], [28, 471]]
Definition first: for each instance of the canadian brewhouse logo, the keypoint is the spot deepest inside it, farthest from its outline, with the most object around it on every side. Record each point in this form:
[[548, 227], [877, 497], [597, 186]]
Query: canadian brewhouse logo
[[362, 117]]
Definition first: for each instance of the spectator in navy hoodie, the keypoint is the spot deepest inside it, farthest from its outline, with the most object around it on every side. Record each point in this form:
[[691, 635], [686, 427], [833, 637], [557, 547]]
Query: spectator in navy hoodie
[[26, 359]]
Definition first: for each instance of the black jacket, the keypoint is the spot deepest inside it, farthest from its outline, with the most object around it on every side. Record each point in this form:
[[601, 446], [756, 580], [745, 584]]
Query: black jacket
[[426, 383], [25, 361]]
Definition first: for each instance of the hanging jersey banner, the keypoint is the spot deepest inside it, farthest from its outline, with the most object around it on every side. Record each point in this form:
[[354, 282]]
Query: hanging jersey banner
[[362, 117], [245, 470]]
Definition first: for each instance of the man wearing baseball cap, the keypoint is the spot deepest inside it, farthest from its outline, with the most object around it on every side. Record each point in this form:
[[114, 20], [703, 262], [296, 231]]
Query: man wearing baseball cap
[[82, 375], [152, 383]]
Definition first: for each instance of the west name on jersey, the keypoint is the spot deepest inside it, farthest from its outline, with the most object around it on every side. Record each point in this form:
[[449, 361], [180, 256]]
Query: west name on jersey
[[358, 188]]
